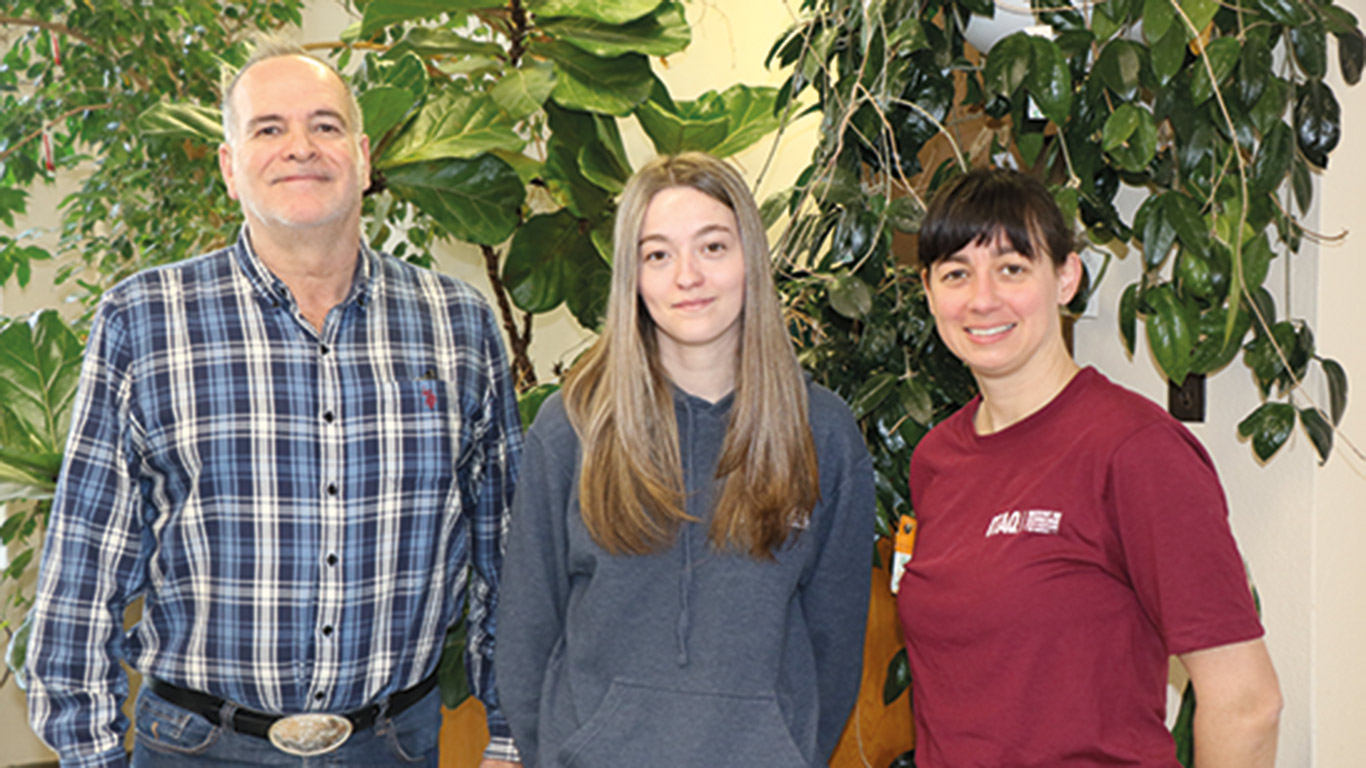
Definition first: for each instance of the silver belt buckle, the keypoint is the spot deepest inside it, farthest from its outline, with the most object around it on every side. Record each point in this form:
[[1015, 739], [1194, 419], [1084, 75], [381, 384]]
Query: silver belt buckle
[[309, 734]]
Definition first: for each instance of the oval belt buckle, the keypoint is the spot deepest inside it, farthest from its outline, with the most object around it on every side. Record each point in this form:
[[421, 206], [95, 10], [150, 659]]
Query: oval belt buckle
[[309, 734]]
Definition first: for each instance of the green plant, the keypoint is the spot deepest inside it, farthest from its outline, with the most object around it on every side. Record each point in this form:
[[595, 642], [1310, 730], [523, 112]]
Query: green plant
[[39, 363]]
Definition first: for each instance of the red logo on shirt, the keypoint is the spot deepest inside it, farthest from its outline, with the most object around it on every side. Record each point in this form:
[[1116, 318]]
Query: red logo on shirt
[[430, 397]]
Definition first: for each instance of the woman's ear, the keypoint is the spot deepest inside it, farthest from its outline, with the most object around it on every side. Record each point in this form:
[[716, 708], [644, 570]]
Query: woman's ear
[[1069, 278], [925, 283]]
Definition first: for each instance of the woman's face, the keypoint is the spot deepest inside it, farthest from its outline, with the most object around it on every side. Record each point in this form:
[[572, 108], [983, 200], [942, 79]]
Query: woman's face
[[997, 310], [692, 274]]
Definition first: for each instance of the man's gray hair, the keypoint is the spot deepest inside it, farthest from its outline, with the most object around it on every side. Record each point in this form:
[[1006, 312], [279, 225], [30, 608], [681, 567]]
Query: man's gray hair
[[270, 47]]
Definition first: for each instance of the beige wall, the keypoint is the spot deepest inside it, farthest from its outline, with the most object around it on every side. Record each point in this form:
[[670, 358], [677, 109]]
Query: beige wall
[[1301, 527], [1337, 517]]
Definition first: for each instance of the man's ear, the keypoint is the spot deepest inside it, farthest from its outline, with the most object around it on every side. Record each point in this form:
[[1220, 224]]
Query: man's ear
[[365, 162], [225, 168]]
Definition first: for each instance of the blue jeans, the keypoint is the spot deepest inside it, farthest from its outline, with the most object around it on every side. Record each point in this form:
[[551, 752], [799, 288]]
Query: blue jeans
[[170, 737]]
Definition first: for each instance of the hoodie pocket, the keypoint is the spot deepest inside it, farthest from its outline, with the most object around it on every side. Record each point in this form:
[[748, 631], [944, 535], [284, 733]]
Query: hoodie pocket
[[637, 725]]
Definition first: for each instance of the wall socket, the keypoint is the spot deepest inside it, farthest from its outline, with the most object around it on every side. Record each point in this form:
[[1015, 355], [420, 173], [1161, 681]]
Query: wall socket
[[1187, 402]]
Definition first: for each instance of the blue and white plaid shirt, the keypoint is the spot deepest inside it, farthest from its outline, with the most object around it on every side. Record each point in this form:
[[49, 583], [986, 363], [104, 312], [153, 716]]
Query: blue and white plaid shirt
[[297, 508]]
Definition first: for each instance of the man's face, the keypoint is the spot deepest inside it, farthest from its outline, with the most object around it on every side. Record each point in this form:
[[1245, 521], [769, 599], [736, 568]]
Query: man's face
[[295, 161]]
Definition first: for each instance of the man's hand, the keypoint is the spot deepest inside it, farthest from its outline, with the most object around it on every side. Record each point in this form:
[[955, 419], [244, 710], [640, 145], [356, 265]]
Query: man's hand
[[487, 763]]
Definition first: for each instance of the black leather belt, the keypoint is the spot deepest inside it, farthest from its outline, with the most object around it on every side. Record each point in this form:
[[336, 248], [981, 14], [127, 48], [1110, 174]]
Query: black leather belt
[[254, 723]]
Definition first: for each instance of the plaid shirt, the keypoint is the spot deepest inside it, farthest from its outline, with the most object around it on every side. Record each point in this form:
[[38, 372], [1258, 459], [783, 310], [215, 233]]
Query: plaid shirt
[[297, 508]]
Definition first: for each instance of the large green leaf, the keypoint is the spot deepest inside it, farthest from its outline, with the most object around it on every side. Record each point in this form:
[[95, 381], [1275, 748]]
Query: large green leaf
[[585, 82], [1168, 52], [603, 161], [1222, 55], [1310, 43], [1319, 430], [1291, 13], [607, 11], [589, 285], [1272, 163], [721, 124], [1130, 136], [1337, 388], [1351, 55], [1158, 18], [1318, 120], [1128, 316], [185, 120], [1119, 66], [1157, 231], [474, 200], [382, 13], [407, 71], [672, 133], [522, 91], [661, 33], [455, 124], [898, 677], [1007, 65], [1269, 426], [1200, 12], [1171, 331], [544, 258], [440, 41], [1049, 80], [40, 361], [450, 671], [570, 130], [382, 108], [750, 116]]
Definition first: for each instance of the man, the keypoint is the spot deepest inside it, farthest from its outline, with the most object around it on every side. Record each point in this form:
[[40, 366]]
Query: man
[[292, 449]]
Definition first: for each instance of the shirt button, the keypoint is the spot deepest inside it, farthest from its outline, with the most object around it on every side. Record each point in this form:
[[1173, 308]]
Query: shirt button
[[318, 696], [331, 559], [327, 631], [331, 489], [328, 417], [323, 349]]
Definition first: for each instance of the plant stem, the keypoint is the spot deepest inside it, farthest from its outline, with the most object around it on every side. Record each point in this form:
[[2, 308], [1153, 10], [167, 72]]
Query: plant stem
[[59, 118], [50, 26], [523, 372]]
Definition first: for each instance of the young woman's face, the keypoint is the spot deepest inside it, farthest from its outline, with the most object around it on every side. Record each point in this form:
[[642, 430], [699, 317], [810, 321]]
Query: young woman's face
[[997, 310], [692, 273]]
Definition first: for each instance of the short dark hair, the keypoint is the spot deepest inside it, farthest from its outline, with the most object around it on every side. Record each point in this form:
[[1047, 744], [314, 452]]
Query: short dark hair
[[981, 205]]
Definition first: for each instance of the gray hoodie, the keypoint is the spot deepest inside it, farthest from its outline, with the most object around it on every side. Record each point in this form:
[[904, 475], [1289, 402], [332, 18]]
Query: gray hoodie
[[688, 657]]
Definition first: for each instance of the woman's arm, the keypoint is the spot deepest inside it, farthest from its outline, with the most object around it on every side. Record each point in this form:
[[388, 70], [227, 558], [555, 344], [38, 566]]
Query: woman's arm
[[1238, 705], [534, 586]]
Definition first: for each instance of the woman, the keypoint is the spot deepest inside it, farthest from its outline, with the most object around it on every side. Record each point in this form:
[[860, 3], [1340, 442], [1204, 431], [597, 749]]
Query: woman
[[687, 573], [1072, 535]]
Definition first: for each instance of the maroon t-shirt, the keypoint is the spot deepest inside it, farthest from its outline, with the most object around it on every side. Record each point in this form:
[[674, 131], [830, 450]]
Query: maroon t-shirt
[[1058, 563]]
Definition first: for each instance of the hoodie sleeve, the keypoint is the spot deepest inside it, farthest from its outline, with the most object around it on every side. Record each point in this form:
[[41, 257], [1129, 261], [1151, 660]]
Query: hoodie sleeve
[[535, 581], [835, 593]]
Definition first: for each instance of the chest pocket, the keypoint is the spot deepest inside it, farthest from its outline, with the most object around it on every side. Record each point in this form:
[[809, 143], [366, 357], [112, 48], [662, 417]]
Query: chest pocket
[[409, 444]]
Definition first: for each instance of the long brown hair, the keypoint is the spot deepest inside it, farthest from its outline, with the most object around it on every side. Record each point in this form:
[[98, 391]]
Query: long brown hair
[[620, 402]]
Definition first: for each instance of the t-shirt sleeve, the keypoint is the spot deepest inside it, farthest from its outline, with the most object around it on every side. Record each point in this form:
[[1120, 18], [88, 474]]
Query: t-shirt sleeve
[[1172, 520]]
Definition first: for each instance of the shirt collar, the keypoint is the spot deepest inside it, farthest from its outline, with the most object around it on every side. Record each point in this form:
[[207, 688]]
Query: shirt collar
[[274, 290]]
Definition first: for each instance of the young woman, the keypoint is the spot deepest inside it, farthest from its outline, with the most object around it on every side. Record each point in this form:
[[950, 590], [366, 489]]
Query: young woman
[[687, 573], [1072, 535]]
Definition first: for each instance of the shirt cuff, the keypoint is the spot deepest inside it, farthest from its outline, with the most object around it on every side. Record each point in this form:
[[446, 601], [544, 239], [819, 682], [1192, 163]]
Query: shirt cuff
[[502, 748], [114, 758]]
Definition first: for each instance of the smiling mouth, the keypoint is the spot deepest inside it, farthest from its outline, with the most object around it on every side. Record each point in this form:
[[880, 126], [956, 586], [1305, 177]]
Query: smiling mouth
[[992, 331], [692, 304]]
